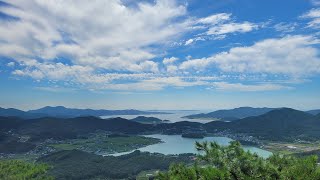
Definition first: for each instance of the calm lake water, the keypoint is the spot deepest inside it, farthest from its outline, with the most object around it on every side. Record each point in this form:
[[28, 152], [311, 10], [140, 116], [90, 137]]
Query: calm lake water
[[175, 144], [174, 117]]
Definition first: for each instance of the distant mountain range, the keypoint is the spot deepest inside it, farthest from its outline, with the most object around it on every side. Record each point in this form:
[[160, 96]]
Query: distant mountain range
[[278, 124], [18, 113], [283, 124], [314, 112], [237, 113], [68, 128], [63, 112]]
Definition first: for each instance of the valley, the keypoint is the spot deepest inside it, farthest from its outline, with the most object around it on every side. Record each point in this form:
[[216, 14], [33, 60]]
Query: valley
[[103, 143]]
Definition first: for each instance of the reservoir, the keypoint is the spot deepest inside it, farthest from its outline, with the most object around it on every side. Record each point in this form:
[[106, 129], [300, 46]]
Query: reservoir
[[175, 144]]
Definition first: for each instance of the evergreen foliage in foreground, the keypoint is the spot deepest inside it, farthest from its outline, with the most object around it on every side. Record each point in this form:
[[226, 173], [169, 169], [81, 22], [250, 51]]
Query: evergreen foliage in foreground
[[20, 170], [232, 162]]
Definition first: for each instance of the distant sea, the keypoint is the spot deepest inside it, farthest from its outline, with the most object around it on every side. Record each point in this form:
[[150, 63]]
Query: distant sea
[[175, 116]]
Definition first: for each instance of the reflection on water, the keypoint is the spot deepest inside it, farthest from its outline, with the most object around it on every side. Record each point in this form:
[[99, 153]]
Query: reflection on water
[[175, 144]]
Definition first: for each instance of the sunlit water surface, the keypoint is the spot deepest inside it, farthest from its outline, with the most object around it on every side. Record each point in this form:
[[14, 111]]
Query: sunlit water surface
[[175, 144]]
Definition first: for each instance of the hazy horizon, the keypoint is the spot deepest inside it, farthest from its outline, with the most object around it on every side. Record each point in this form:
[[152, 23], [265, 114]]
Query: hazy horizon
[[164, 110]]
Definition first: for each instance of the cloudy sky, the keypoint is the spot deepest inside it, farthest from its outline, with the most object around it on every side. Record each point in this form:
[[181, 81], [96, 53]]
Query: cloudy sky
[[162, 54]]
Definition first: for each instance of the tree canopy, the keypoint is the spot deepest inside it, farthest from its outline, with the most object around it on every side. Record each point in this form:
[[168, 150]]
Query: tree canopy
[[234, 163], [15, 170]]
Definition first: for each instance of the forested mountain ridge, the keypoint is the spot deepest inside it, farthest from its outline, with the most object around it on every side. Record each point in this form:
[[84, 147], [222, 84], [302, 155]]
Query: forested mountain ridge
[[77, 164], [63, 112], [232, 114], [238, 113], [314, 112], [12, 112], [283, 124], [275, 125]]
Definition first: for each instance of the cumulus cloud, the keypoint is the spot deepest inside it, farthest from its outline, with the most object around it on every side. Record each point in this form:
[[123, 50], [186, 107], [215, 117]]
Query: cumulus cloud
[[170, 60], [56, 71], [88, 34], [47, 31], [83, 43], [172, 69], [291, 55]]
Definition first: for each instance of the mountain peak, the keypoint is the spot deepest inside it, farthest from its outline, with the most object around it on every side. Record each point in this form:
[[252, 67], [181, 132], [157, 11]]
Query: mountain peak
[[287, 113]]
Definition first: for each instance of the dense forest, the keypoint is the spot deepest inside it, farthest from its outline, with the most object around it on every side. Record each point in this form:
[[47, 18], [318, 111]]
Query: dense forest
[[232, 163], [77, 164], [16, 170], [212, 162], [277, 125]]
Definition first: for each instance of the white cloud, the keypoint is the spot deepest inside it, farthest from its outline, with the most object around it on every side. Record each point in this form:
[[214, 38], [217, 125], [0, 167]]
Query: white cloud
[[172, 69], [170, 60], [232, 28], [291, 55], [56, 71], [245, 87], [215, 19], [218, 26], [315, 2], [188, 42], [286, 27], [313, 13], [108, 45], [11, 64], [156, 84], [51, 29], [314, 16]]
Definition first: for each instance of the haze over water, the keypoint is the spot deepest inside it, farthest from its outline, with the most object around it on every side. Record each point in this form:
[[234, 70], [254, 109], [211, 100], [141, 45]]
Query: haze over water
[[175, 116]]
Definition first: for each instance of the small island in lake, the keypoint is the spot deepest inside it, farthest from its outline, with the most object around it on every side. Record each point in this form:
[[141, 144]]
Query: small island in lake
[[149, 120], [194, 135]]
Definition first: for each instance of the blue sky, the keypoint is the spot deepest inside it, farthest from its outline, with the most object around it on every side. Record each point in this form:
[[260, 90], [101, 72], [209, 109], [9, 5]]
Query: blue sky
[[162, 54]]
